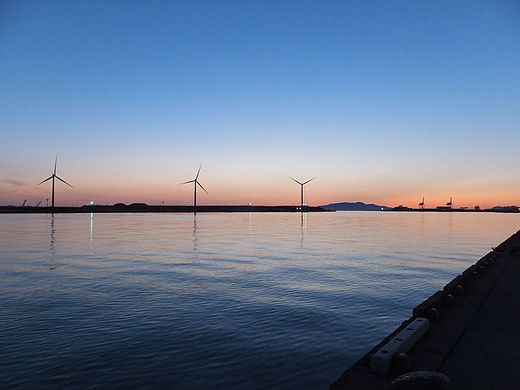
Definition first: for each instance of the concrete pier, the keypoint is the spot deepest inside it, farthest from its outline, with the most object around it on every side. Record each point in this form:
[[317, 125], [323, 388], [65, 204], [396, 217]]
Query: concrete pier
[[474, 335]]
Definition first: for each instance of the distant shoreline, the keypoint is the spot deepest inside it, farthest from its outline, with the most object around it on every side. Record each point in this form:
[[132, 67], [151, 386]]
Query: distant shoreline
[[360, 206], [456, 210], [143, 208]]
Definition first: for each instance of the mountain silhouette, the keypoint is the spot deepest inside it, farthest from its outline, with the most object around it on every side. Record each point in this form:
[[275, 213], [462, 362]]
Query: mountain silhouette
[[354, 206]]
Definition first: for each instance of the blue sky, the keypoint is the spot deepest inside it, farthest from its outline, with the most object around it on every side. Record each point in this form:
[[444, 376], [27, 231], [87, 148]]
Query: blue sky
[[384, 101]]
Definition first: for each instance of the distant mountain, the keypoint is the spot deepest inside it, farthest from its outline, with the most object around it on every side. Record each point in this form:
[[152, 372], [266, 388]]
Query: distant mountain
[[355, 206], [505, 208]]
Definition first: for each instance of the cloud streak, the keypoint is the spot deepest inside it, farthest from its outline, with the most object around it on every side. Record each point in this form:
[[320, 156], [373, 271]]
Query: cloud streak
[[15, 183]]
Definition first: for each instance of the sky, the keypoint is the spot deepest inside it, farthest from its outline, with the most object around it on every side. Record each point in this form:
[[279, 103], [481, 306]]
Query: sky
[[383, 101]]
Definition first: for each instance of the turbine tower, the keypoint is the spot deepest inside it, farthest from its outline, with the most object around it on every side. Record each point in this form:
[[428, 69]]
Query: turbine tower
[[450, 203], [54, 176], [195, 184], [301, 189], [421, 205]]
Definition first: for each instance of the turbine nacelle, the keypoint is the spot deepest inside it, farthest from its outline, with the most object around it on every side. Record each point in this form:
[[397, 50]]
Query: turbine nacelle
[[300, 183], [57, 177]]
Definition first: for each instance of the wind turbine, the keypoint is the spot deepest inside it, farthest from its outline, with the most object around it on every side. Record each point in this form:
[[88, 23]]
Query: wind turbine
[[450, 203], [301, 189], [421, 205], [195, 184], [54, 176]]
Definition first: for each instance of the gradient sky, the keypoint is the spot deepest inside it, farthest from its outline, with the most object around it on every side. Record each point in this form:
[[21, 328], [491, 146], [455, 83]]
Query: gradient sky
[[383, 101]]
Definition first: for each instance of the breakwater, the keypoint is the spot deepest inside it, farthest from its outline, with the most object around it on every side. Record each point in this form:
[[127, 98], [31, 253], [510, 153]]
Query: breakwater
[[143, 208], [471, 330]]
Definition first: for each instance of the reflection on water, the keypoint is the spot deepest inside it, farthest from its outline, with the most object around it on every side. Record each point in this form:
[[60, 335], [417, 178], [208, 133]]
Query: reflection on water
[[195, 238], [53, 232], [91, 226], [303, 226], [218, 301]]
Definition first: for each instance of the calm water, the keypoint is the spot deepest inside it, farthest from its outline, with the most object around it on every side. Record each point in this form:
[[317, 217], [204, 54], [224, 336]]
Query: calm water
[[222, 301]]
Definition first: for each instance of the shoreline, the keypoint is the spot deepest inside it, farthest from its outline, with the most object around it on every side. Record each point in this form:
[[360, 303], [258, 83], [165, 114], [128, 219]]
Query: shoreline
[[505, 210], [143, 208]]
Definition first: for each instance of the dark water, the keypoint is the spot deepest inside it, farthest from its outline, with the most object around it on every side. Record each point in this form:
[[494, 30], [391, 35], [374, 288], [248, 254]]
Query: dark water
[[222, 301]]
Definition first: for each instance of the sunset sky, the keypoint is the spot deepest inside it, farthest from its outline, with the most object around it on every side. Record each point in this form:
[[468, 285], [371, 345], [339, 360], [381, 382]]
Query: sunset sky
[[382, 101]]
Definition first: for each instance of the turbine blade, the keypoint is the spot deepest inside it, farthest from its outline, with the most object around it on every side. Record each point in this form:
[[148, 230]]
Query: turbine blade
[[55, 163], [196, 177], [200, 185], [186, 182], [49, 178], [59, 178], [309, 180], [295, 180]]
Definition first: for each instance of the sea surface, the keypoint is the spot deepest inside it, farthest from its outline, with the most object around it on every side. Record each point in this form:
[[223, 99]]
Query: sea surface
[[218, 301]]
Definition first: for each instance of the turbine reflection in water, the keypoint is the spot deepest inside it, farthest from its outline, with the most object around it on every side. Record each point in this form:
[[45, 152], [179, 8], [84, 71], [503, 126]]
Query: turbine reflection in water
[[52, 234], [303, 227], [194, 234]]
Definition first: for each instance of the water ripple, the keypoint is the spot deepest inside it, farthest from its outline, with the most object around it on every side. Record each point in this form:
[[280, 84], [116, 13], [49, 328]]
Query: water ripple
[[254, 301]]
